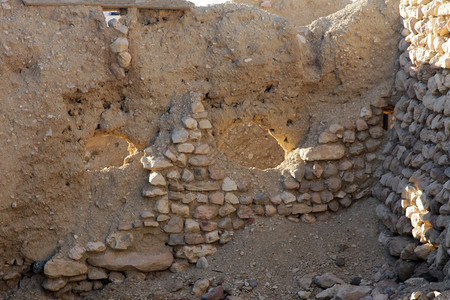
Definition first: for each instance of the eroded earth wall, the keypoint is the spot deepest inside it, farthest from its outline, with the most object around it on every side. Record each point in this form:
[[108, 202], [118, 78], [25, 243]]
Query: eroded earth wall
[[415, 186], [171, 83]]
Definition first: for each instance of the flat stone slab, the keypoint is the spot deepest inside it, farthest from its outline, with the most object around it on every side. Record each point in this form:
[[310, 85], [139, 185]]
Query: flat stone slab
[[114, 4], [132, 261]]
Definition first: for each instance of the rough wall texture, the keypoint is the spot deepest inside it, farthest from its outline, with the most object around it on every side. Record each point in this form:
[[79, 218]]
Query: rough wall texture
[[415, 186], [66, 78]]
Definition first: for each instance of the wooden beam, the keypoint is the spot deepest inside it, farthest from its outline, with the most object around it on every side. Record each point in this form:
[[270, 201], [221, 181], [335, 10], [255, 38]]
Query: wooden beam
[[116, 4]]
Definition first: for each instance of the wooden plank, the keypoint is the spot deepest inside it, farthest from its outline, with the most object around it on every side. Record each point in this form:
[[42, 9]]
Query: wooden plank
[[115, 4]]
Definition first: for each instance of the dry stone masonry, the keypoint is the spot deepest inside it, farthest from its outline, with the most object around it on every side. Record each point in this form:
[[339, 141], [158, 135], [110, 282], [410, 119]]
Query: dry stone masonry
[[197, 205], [415, 186]]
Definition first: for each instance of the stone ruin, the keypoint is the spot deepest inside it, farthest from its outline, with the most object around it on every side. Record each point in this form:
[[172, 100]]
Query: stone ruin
[[354, 116]]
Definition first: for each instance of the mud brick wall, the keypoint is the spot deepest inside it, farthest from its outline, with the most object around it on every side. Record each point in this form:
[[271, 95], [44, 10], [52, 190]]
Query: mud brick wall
[[415, 186]]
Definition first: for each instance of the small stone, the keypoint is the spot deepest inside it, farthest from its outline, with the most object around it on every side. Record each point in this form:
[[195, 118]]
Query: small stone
[[162, 218], [202, 263], [200, 287], [352, 292], [156, 178], [204, 124], [95, 247], [215, 293], [202, 198], [212, 237], [124, 59], [326, 137], [179, 266], [116, 277], [175, 225], [208, 226], [169, 153], [202, 149], [119, 45], [192, 253], [155, 163], [180, 209], [200, 161], [229, 185], [304, 295], [189, 123], [216, 173], [327, 280], [57, 267], [287, 197], [322, 152], [54, 284], [226, 210], [162, 205], [270, 210], [226, 237], [205, 212], [244, 212], [185, 148], [231, 198], [120, 240], [146, 214], [187, 176], [117, 71], [308, 218], [179, 136], [197, 107], [216, 198], [191, 226], [77, 252], [151, 224], [361, 125], [422, 251], [288, 184], [152, 192], [349, 136], [194, 239], [97, 273]]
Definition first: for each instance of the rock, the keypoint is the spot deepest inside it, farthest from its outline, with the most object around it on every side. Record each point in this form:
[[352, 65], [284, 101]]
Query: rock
[[194, 239], [156, 178], [244, 212], [200, 161], [57, 267], [132, 261], [304, 295], [135, 275], [229, 185], [208, 226], [197, 107], [189, 123], [152, 192], [226, 210], [187, 176], [204, 124], [191, 226], [179, 136], [202, 186], [54, 284], [300, 208], [97, 273], [216, 173], [326, 137], [200, 287], [175, 225], [287, 197], [351, 292], [308, 218], [179, 266], [180, 209], [306, 281], [95, 247], [422, 251], [175, 285], [327, 280], [82, 287], [124, 59], [212, 237], [226, 237], [162, 205], [216, 293], [216, 198], [116, 277], [327, 294], [288, 184], [202, 263], [120, 240], [205, 212], [396, 245], [192, 253], [77, 252], [404, 269], [117, 71], [322, 152], [119, 45], [185, 148]]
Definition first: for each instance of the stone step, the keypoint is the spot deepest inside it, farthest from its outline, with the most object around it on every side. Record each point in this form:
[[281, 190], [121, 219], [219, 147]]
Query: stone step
[[116, 4]]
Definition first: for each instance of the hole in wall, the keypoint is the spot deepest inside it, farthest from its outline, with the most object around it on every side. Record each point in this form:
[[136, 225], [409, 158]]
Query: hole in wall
[[388, 117], [110, 15], [251, 146], [104, 151]]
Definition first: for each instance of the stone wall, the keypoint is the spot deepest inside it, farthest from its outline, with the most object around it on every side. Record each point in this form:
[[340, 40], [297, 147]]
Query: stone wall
[[415, 186], [197, 204]]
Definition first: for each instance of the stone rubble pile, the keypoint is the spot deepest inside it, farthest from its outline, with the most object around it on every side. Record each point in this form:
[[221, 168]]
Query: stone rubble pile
[[120, 48], [415, 186]]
